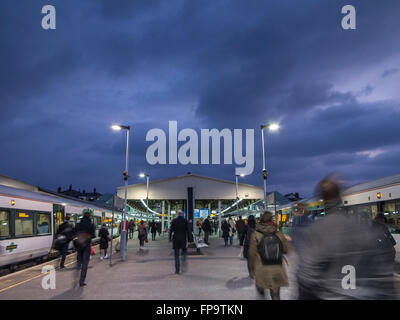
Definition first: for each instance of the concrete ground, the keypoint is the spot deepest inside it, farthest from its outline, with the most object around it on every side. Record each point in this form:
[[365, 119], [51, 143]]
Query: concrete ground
[[217, 274]]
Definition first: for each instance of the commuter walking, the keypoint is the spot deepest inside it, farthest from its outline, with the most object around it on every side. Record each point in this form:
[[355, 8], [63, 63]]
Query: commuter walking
[[206, 226], [329, 244], [179, 235], [153, 229], [85, 231], [66, 230], [225, 231], [267, 245], [104, 239], [198, 224], [142, 234], [159, 227], [126, 229], [216, 227], [250, 228], [241, 226], [131, 228], [232, 230]]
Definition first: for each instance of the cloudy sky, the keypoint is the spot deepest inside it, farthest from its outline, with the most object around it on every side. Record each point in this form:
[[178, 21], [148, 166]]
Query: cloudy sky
[[207, 64]]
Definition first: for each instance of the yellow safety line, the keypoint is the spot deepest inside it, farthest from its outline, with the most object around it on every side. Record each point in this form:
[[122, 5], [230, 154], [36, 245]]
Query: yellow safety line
[[27, 280]]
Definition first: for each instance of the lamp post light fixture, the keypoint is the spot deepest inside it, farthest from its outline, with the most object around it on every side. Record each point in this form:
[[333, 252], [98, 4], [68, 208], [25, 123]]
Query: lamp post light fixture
[[126, 177], [142, 175], [237, 196], [270, 127]]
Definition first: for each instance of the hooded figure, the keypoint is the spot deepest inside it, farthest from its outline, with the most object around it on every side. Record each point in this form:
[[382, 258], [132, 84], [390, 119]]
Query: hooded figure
[[271, 276]]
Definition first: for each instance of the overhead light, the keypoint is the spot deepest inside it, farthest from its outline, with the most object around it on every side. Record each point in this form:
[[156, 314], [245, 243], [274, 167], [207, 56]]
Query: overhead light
[[116, 127], [273, 127]]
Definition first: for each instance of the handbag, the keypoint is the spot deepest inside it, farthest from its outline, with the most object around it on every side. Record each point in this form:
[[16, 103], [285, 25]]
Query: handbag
[[92, 252]]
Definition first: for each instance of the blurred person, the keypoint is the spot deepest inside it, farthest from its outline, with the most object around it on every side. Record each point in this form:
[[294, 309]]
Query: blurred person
[[300, 221], [216, 226], [67, 231], [159, 228], [232, 230], [126, 229], [131, 227], [241, 226], [225, 231], [153, 229], [266, 249], [339, 257], [142, 234], [198, 224], [85, 232], [250, 228], [206, 227], [104, 236], [179, 235]]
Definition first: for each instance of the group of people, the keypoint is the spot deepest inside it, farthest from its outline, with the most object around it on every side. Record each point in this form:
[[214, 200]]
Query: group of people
[[81, 235], [339, 256]]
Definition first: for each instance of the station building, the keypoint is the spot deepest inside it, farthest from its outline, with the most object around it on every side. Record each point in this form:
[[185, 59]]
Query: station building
[[195, 195]]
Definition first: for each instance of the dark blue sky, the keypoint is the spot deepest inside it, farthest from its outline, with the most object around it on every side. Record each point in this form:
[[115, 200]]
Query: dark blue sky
[[206, 64]]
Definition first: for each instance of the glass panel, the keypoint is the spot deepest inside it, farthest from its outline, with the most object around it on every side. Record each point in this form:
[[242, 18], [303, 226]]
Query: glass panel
[[23, 224], [4, 224], [43, 223]]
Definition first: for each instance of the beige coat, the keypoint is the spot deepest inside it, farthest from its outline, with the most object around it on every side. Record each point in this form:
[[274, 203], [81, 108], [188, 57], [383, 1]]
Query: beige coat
[[267, 276], [232, 226]]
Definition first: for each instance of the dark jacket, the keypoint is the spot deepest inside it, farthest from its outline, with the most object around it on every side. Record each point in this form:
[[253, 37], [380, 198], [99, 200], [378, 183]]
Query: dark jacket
[[103, 234], [206, 226], [225, 229], [67, 230], [241, 226], [153, 227], [131, 225], [246, 244], [86, 226], [180, 233]]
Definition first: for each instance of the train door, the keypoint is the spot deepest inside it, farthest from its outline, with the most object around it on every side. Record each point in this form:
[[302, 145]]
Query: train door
[[58, 216]]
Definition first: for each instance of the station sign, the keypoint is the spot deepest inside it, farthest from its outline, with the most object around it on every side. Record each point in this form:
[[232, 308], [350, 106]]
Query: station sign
[[201, 213]]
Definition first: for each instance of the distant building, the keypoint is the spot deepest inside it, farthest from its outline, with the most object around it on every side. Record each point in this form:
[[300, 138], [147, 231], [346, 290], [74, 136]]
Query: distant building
[[293, 197], [92, 196]]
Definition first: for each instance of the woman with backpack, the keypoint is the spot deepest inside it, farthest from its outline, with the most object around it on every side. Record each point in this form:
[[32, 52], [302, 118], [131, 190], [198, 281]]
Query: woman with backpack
[[142, 233], [267, 245]]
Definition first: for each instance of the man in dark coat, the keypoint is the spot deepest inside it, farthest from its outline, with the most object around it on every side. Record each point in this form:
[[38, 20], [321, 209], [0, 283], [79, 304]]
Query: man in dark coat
[[207, 229], [241, 228], [85, 233], [180, 234], [66, 229]]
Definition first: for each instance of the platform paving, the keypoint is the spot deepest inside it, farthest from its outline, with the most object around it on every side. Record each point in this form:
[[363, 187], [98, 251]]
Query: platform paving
[[219, 273]]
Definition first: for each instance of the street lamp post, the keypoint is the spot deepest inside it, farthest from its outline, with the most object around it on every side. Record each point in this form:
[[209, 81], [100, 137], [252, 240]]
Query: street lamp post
[[270, 127], [126, 176], [142, 175], [237, 193]]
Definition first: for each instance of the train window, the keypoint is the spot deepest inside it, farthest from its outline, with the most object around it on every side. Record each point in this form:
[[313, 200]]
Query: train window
[[4, 224], [43, 223], [23, 224]]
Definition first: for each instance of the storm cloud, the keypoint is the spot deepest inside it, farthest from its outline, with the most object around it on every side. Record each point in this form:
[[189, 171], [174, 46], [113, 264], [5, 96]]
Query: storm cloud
[[207, 64]]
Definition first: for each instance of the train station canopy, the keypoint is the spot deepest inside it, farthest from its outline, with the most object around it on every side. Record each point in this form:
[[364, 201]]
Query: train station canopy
[[204, 188]]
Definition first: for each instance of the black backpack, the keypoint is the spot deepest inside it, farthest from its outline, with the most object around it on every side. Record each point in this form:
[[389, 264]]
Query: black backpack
[[270, 249]]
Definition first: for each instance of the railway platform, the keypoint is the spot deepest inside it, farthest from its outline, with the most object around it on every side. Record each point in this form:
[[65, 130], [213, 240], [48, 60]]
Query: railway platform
[[217, 273]]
